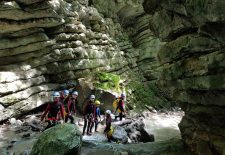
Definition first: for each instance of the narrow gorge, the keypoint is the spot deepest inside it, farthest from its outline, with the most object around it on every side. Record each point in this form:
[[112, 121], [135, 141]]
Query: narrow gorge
[[172, 47]]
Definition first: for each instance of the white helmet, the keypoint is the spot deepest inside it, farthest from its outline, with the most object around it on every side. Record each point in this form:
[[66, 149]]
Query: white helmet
[[92, 97], [56, 94], [75, 93], [66, 92], [108, 112]]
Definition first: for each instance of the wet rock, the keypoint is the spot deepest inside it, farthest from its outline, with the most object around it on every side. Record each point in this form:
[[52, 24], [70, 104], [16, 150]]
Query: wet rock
[[13, 121], [2, 107], [172, 146], [58, 140], [145, 136], [151, 109], [26, 135], [26, 152], [137, 133], [36, 127], [85, 87], [120, 134], [19, 123]]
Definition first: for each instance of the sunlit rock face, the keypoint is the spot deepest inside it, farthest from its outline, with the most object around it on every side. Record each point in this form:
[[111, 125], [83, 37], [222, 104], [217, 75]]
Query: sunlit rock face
[[142, 45], [46, 44], [192, 66]]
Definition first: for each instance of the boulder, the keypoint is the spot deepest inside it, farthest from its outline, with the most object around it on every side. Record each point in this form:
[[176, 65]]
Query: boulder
[[168, 147], [64, 139], [137, 133], [85, 88], [12, 121], [120, 134]]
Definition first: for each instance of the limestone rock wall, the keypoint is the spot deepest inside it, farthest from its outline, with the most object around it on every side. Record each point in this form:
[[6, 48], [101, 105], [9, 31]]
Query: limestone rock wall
[[141, 46], [192, 66], [45, 44]]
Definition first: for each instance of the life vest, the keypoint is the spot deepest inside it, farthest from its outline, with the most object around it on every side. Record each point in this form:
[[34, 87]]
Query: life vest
[[115, 104], [110, 132]]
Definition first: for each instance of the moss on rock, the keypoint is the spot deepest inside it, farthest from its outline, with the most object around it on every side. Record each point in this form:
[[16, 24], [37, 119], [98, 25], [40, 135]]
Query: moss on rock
[[59, 140], [107, 81]]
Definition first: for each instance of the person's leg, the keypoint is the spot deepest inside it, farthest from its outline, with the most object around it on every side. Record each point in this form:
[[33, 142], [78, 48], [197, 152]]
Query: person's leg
[[49, 125], [71, 119], [91, 126], [109, 138], [88, 128], [85, 125], [66, 118], [96, 125], [116, 117], [121, 116]]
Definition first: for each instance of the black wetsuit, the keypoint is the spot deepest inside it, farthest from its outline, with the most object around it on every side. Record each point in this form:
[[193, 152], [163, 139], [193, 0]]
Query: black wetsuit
[[89, 114]]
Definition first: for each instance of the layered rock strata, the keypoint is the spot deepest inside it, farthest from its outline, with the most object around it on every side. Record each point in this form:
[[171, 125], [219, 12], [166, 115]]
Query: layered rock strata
[[45, 44], [192, 66]]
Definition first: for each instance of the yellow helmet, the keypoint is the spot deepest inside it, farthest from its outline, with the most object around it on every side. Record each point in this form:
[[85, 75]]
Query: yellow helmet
[[97, 102]]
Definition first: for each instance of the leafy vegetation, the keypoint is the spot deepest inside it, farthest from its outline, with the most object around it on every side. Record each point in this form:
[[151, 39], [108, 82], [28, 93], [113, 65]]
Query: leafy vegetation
[[197, 3], [107, 81], [147, 95]]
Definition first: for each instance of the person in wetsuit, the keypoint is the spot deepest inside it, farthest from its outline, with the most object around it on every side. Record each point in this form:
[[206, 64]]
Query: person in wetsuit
[[89, 114], [121, 108], [97, 117], [108, 131], [52, 110], [70, 107]]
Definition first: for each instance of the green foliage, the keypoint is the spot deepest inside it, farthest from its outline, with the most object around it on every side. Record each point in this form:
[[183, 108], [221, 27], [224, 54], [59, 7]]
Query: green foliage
[[197, 3], [107, 81], [145, 95]]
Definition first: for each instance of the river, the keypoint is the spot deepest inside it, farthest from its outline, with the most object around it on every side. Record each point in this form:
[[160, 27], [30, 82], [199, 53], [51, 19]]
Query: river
[[17, 141]]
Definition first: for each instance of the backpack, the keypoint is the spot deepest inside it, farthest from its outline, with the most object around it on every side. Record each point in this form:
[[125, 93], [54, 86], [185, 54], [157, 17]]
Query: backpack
[[115, 104]]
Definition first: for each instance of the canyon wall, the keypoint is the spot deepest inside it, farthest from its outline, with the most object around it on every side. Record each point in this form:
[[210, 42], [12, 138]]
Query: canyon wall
[[48, 45], [192, 66]]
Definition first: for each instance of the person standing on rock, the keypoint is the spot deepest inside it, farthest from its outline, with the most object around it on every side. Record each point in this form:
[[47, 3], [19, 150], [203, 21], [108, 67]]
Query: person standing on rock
[[70, 107], [121, 107], [65, 100], [53, 109], [108, 129], [97, 117], [89, 114]]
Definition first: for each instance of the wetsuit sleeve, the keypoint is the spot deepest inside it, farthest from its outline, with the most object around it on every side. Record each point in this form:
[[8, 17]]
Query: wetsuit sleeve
[[98, 112], [46, 111], [68, 105], [94, 111], [62, 111], [75, 104]]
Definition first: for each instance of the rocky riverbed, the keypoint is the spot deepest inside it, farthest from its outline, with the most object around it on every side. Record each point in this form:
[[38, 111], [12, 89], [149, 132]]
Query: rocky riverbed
[[18, 136]]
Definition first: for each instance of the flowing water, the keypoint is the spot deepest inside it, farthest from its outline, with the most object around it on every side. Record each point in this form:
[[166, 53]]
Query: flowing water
[[163, 126]]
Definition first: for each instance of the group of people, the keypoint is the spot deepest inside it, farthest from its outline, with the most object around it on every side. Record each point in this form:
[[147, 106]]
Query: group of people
[[63, 107], [62, 103]]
